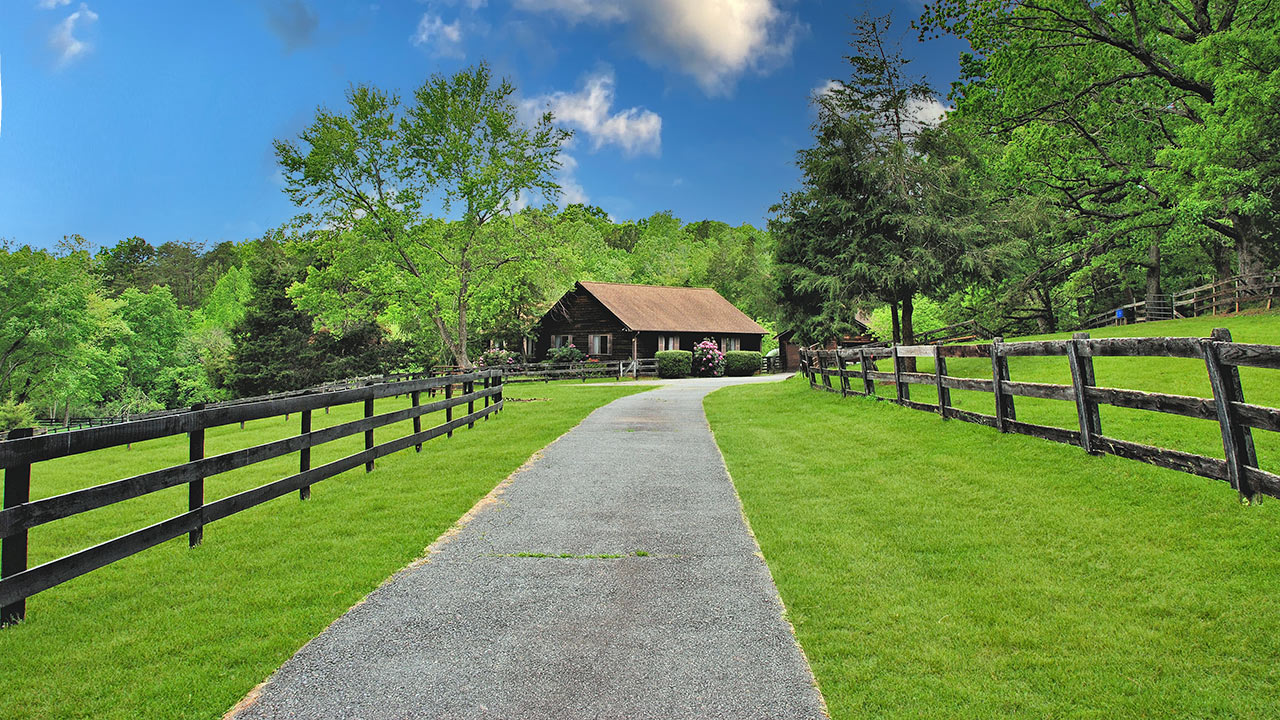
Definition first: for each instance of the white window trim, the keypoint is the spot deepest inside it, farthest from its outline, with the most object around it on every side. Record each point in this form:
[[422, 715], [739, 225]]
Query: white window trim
[[555, 341]]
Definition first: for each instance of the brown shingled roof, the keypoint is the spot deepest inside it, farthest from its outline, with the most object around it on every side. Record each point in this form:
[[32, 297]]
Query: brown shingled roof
[[672, 309]]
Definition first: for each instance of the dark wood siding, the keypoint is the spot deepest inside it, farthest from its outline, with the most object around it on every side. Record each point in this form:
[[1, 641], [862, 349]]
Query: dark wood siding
[[580, 315]]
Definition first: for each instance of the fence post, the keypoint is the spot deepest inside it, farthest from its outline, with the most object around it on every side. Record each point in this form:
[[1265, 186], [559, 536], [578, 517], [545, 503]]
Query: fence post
[[844, 381], [897, 376], [304, 456], [868, 384], [469, 388], [1081, 380], [939, 371], [448, 411], [415, 398], [195, 489], [1237, 440], [500, 378], [486, 382], [1000, 373], [368, 434], [826, 378], [13, 549]]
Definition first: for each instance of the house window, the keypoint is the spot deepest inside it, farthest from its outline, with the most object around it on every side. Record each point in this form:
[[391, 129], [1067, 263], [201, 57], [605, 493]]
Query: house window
[[599, 344], [668, 342], [730, 343], [559, 341]]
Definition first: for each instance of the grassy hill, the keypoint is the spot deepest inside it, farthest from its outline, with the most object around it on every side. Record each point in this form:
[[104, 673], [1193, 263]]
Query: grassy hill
[[939, 569]]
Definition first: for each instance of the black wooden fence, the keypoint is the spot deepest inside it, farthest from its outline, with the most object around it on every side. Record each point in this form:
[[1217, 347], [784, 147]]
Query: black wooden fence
[[24, 449], [1222, 358]]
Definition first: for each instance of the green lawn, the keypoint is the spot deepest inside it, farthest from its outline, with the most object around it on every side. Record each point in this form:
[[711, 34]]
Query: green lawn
[[1179, 376], [180, 633], [940, 569]]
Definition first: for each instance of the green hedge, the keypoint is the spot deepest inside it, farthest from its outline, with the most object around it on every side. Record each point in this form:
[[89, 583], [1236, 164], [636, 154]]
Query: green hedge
[[740, 363], [674, 363]]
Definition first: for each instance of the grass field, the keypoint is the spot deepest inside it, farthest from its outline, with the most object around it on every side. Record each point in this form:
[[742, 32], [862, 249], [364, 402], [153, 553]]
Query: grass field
[[1180, 376], [180, 633], [939, 569]]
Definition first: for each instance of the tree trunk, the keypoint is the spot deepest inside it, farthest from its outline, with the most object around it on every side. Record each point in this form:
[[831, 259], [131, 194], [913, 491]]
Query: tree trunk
[[897, 329], [908, 331], [1248, 246], [1153, 274], [1221, 257], [1046, 321]]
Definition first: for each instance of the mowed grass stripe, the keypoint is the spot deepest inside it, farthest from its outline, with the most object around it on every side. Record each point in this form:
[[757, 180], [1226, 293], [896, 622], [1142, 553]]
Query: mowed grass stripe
[[179, 633], [939, 569]]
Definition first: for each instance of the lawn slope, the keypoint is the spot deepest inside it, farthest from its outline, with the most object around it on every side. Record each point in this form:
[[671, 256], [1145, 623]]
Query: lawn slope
[[180, 633], [938, 569]]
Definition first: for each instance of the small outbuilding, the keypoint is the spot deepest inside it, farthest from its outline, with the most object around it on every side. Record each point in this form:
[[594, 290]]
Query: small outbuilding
[[789, 349], [615, 321]]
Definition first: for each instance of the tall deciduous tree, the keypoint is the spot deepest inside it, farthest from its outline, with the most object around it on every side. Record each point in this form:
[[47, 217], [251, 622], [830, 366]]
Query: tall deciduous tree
[[1155, 122], [370, 173]]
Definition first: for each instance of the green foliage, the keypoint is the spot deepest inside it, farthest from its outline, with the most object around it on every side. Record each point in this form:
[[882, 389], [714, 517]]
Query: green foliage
[[888, 209], [157, 328], [929, 315], [568, 353], [185, 386], [276, 348], [369, 174], [741, 363], [46, 324], [1146, 132], [674, 363], [15, 415]]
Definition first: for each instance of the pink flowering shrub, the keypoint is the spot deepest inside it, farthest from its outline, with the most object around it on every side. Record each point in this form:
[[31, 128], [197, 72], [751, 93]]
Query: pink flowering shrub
[[708, 361], [497, 357]]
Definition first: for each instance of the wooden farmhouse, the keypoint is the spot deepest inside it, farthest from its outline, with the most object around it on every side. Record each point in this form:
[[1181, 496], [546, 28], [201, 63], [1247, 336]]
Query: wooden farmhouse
[[612, 321]]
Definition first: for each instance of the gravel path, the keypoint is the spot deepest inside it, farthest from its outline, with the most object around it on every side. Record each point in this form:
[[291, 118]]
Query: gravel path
[[496, 625]]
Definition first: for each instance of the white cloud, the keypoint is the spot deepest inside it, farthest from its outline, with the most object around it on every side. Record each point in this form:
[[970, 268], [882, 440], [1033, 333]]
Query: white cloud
[[63, 40], [442, 38], [635, 130], [51, 4], [924, 113], [825, 89], [714, 41]]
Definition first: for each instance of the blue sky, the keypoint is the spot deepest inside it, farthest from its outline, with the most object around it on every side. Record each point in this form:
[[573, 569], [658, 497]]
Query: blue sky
[[155, 118]]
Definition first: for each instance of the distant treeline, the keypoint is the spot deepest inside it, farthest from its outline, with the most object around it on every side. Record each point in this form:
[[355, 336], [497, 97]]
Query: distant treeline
[[134, 327]]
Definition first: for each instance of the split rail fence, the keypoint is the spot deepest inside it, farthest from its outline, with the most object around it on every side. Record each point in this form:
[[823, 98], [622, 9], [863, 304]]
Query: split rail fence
[[1236, 418], [23, 450], [546, 372], [1218, 298]]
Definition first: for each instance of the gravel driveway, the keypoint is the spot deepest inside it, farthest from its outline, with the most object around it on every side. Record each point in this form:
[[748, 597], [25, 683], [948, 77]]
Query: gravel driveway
[[662, 609]]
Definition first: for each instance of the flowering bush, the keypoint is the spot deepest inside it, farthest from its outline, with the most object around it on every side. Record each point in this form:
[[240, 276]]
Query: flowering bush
[[566, 354], [497, 357], [708, 361]]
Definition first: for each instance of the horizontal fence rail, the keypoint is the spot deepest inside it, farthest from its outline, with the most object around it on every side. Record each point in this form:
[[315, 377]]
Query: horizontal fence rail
[[1235, 417], [24, 449], [546, 372], [1224, 296]]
